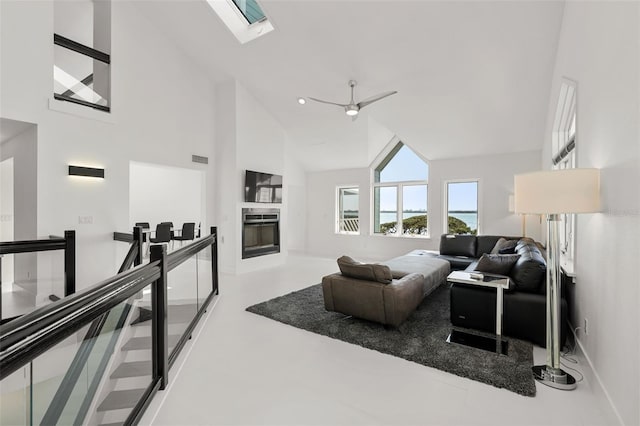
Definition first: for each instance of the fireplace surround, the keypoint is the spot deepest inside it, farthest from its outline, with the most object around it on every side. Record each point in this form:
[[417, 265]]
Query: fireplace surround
[[260, 232]]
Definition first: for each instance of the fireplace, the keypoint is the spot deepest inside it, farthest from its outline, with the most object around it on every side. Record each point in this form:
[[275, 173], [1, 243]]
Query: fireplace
[[260, 232]]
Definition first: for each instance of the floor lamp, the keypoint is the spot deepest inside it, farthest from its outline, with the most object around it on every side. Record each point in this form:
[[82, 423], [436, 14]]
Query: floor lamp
[[552, 193]]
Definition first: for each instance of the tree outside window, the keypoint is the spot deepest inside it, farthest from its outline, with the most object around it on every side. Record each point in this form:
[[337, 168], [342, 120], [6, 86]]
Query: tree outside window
[[400, 194]]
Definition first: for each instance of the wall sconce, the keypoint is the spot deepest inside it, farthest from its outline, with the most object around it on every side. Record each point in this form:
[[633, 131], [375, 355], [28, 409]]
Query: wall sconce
[[86, 171]]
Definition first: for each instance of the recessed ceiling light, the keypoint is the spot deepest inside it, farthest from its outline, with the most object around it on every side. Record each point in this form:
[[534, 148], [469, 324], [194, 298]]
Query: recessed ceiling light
[[302, 101]]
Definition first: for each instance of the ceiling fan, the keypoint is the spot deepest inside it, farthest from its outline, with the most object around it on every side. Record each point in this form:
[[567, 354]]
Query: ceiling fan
[[352, 108]]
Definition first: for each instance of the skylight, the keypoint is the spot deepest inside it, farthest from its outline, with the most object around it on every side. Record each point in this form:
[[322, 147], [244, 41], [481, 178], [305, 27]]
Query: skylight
[[244, 18], [250, 10]]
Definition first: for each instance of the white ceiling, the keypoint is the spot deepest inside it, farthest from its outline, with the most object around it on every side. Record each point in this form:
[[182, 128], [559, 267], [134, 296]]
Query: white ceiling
[[473, 77]]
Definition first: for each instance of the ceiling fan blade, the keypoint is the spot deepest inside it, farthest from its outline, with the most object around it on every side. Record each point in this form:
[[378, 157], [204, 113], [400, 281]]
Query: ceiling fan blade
[[375, 98], [327, 102]]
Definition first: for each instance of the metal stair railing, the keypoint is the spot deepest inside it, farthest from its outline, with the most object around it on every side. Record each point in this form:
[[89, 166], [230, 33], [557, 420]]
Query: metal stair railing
[[28, 337]]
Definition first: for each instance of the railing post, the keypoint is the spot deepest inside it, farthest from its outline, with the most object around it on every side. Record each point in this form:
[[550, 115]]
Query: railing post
[[159, 327], [214, 260], [138, 238], [70, 263]]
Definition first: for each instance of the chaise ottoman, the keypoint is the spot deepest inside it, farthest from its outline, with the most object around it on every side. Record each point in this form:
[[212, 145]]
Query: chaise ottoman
[[385, 293]]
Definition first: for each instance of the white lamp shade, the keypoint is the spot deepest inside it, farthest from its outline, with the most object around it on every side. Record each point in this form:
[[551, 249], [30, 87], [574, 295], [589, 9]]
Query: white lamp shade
[[558, 191]]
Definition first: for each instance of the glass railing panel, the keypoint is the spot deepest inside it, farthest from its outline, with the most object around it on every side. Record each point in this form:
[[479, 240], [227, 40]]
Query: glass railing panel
[[80, 77], [205, 282], [48, 371], [182, 298], [15, 397], [36, 279], [117, 368]]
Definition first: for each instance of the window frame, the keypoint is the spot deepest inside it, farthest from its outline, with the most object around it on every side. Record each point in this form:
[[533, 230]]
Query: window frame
[[385, 157], [92, 53], [338, 204], [445, 214], [564, 156]]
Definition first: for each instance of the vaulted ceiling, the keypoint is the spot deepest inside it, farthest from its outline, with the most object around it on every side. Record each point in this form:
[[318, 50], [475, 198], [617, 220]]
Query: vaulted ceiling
[[473, 78]]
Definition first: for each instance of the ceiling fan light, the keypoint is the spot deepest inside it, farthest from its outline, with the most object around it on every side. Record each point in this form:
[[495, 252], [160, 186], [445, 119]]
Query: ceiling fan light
[[302, 101], [351, 110]]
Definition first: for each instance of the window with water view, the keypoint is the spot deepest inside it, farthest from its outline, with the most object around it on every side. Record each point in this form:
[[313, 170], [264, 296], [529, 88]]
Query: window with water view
[[462, 208], [400, 194]]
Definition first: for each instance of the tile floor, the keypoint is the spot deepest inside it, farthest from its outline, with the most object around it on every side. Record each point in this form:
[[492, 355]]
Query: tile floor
[[243, 369]]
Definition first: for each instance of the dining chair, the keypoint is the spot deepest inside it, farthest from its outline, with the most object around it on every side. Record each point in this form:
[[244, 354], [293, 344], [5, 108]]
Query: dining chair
[[163, 234], [188, 232], [171, 232]]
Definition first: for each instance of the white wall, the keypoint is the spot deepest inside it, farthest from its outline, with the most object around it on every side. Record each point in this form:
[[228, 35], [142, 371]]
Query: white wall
[[496, 182], [248, 137], [22, 148], [165, 194], [6, 219], [162, 113], [228, 195], [295, 201], [495, 173], [599, 49]]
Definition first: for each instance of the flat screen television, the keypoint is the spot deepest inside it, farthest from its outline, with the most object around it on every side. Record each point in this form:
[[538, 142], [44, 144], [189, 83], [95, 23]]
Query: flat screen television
[[262, 187]]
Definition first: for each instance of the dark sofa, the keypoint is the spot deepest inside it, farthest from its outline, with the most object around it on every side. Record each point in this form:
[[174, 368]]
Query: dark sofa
[[525, 303]]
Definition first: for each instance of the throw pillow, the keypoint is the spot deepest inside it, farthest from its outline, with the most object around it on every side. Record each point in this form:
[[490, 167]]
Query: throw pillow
[[364, 271], [499, 264], [504, 246]]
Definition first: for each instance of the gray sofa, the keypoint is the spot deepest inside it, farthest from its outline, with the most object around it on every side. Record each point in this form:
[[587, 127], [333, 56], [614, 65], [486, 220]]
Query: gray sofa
[[386, 293]]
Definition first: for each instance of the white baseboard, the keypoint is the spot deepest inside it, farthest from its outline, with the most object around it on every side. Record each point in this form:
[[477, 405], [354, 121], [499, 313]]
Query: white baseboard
[[597, 384]]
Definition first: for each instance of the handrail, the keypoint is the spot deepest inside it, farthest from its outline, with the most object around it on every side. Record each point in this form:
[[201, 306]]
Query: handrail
[[14, 247], [28, 337], [23, 339], [130, 258], [179, 256], [123, 236], [66, 243]]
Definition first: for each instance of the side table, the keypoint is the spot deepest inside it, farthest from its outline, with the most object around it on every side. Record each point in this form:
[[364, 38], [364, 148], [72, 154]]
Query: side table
[[499, 282]]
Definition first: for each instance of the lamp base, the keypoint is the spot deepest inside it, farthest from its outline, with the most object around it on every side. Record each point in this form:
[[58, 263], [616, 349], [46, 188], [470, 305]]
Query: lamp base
[[555, 378]]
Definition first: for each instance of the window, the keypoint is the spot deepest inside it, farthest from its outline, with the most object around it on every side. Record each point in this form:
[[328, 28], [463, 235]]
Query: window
[[245, 18], [400, 194], [80, 74], [250, 10], [81, 68], [348, 220], [462, 207], [563, 156]]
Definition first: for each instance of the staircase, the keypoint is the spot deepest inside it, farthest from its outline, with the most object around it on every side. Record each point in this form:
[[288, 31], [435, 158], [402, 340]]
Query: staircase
[[131, 366]]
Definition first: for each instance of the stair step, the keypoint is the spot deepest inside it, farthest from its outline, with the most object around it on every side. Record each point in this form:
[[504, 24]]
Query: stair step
[[118, 400], [176, 314], [138, 343], [132, 369]]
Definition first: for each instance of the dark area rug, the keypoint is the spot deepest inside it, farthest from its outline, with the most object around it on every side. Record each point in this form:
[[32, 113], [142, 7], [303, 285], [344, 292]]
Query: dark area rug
[[421, 339]]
